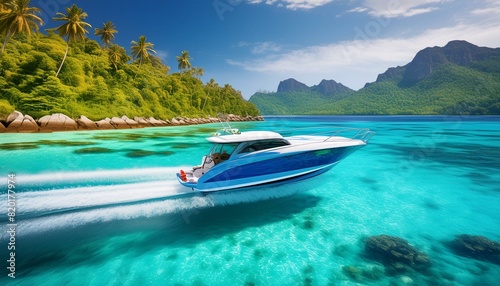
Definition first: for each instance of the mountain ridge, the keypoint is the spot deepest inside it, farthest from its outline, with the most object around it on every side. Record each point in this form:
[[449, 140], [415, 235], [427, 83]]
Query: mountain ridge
[[459, 78], [325, 87]]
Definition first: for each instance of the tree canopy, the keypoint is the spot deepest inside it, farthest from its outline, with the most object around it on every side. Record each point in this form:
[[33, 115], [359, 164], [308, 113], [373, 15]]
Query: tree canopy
[[142, 49], [17, 17], [99, 82], [107, 33], [73, 28], [184, 61]]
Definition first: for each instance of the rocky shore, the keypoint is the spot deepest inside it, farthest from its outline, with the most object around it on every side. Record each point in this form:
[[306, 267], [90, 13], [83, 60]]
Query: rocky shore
[[16, 122]]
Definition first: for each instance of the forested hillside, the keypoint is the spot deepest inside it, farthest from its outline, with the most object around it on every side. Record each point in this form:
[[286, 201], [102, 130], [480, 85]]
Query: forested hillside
[[89, 84], [459, 78]]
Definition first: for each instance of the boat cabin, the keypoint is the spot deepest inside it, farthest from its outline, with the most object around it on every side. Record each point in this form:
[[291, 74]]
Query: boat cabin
[[235, 145]]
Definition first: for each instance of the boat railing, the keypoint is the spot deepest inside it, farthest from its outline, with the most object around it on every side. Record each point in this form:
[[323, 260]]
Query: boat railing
[[226, 127], [363, 134], [347, 134]]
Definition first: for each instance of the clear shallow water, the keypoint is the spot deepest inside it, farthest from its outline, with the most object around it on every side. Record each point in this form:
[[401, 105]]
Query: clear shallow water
[[103, 208]]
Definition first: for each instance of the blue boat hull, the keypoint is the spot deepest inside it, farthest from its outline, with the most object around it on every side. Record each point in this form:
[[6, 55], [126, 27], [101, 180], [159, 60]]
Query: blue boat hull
[[268, 168]]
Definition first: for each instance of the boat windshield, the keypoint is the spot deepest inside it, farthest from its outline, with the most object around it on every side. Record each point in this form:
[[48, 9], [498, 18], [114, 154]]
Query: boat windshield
[[264, 144], [222, 152]]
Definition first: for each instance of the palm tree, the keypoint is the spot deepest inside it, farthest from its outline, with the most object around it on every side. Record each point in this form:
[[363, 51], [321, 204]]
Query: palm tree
[[211, 85], [107, 33], [197, 72], [183, 61], [141, 49], [73, 28], [117, 55], [5, 6], [17, 17]]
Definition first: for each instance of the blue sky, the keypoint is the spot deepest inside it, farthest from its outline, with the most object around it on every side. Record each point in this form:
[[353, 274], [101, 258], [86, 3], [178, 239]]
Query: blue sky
[[254, 44]]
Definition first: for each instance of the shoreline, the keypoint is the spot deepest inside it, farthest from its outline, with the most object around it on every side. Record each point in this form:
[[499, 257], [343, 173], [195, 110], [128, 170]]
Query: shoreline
[[16, 122]]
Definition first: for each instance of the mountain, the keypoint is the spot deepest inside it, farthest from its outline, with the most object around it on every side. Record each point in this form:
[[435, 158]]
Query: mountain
[[291, 85], [294, 97], [459, 78], [325, 87], [459, 53], [330, 87]]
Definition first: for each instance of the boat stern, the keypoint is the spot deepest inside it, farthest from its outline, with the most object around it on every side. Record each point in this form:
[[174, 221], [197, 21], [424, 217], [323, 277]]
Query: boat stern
[[187, 179]]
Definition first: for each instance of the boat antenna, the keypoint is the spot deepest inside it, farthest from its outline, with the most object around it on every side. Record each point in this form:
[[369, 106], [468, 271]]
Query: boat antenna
[[226, 126]]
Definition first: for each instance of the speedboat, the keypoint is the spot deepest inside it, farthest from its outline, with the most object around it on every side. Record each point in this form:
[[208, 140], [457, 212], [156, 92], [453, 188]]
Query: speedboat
[[254, 158]]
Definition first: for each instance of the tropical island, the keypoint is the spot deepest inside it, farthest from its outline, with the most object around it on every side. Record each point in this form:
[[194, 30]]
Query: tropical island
[[61, 77], [63, 72], [457, 79]]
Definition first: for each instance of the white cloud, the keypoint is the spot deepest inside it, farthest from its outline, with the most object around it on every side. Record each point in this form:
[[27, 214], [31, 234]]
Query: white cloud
[[266, 47], [293, 4], [260, 48], [491, 7], [359, 61], [398, 8], [163, 55]]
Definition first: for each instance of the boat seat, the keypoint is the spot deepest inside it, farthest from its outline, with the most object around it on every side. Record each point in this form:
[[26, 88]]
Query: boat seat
[[224, 156], [207, 162], [216, 158]]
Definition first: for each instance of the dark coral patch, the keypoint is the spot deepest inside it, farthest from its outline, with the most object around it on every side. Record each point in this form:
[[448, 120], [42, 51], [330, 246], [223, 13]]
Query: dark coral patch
[[18, 146], [259, 253], [145, 153], [363, 274], [182, 146], [397, 255], [477, 247], [139, 153], [94, 150], [64, 143], [164, 153], [308, 222]]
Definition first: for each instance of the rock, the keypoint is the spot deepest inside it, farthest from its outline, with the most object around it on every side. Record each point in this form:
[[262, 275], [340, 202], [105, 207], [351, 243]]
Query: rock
[[13, 116], [213, 119], [104, 124], [142, 121], [478, 247], [130, 122], [119, 123], [363, 274], [61, 122], [57, 122], [23, 124], [406, 280], [396, 254], [154, 121], [182, 120], [85, 123]]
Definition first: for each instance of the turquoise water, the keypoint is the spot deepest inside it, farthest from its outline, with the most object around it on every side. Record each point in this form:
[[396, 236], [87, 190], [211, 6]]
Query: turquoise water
[[104, 208]]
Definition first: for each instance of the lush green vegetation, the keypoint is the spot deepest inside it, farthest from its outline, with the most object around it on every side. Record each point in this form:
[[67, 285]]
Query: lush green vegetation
[[451, 89], [98, 81]]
